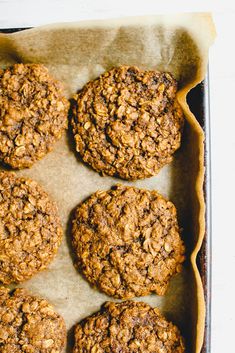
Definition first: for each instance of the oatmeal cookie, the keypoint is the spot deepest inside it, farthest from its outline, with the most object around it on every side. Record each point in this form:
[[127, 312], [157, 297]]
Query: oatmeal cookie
[[127, 122], [127, 241], [127, 327], [30, 229], [33, 114], [29, 324]]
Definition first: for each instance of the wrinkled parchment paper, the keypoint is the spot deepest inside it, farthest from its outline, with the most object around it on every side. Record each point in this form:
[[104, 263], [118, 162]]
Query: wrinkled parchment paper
[[74, 54]]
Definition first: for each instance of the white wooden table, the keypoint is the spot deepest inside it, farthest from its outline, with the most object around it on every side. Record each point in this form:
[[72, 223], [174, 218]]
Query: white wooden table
[[24, 13]]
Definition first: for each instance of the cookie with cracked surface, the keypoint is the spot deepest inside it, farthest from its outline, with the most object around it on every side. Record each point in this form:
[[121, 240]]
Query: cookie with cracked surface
[[127, 122], [127, 241], [33, 114], [30, 228], [29, 324], [127, 327]]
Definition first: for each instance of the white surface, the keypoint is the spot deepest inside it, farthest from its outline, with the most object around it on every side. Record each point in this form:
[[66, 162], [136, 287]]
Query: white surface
[[20, 13]]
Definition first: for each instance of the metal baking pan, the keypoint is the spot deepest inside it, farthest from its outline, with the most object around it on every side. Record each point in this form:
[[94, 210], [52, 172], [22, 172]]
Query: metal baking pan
[[198, 100]]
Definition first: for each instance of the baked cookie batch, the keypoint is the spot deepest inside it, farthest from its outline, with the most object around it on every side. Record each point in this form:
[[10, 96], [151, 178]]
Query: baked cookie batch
[[126, 123], [127, 241], [29, 324], [127, 327], [33, 114], [30, 228]]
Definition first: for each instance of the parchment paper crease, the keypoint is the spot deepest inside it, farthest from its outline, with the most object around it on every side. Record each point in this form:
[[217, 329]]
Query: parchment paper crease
[[76, 53]]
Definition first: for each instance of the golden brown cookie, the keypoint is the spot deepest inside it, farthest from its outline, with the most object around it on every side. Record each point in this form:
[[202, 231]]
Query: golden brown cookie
[[30, 228], [33, 114], [29, 324], [127, 241], [127, 122], [127, 327]]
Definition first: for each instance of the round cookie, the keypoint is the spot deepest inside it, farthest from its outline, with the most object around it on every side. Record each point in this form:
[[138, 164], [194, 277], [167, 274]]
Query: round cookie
[[33, 114], [127, 241], [30, 228], [29, 324], [127, 122], [127, 327]]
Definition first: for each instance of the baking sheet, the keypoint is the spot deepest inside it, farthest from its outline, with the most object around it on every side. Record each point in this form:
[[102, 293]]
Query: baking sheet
[[76, 53], [198, 100]]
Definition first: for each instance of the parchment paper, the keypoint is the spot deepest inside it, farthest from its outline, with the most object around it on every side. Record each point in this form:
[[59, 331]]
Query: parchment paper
[[74, 54]]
